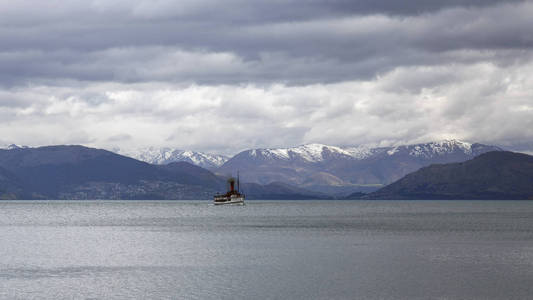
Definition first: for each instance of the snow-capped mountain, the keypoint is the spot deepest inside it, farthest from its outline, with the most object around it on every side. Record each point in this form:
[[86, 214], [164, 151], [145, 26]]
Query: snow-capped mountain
[[12, 146], [440, 149], [165, 155], [319, 152], [317, 166], [309, 153]]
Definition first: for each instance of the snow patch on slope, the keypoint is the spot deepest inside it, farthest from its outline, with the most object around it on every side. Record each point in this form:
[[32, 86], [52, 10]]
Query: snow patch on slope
[[308, 152], [359, 152], [165, 155], [393, 151], [440, 148], [12, 146]]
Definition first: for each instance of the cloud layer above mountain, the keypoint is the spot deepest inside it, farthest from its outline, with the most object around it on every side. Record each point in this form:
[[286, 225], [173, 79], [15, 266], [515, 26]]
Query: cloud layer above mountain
[[224, 76]]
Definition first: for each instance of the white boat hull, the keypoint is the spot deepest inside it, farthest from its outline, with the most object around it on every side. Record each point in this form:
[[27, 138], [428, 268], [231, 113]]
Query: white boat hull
[[229, 200]]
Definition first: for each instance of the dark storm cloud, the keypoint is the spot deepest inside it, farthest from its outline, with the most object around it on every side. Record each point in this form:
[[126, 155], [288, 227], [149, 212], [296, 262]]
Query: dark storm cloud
[[295, 42]]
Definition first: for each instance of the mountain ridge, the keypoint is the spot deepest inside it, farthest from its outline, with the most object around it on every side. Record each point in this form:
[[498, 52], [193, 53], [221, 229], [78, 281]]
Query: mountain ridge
[[347, 169], [491, 175], [166, 155], [318, 152]]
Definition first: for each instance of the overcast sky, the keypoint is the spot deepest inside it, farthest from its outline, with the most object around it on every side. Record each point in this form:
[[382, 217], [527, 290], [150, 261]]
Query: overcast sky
[[223, 76]]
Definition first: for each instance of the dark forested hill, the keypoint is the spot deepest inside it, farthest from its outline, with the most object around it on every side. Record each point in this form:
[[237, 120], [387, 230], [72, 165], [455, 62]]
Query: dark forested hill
[[10, 185], [80, 172], [493, 175]]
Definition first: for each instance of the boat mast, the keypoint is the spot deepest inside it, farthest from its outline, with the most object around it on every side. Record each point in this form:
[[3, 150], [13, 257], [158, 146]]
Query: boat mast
[[238, 182]]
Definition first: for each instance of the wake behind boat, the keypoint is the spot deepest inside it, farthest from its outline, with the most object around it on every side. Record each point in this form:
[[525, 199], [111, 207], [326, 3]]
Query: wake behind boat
[[232, 196]]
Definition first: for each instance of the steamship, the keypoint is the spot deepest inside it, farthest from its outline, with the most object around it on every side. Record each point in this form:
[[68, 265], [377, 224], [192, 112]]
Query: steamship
[[232, 196]]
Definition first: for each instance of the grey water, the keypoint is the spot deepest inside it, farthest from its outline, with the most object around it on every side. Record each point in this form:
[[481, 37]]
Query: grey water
[[266, 250]]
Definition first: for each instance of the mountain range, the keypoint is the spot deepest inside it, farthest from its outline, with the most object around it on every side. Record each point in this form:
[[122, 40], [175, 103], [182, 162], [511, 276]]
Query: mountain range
[[321, 168], [302, 172], [77, 172], [338, 170], [312, 168]]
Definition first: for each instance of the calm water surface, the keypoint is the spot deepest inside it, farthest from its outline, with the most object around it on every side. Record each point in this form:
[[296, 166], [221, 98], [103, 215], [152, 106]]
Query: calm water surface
[[266, 250]]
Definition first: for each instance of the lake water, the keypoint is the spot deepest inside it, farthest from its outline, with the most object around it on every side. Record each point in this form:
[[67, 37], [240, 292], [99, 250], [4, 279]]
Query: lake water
[[266, 250]]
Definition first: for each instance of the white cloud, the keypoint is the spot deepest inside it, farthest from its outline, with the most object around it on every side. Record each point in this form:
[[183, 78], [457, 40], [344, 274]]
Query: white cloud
[[479, 102]]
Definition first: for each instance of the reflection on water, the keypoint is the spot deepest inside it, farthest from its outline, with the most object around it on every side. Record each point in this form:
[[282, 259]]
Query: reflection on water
[[266, 249]]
